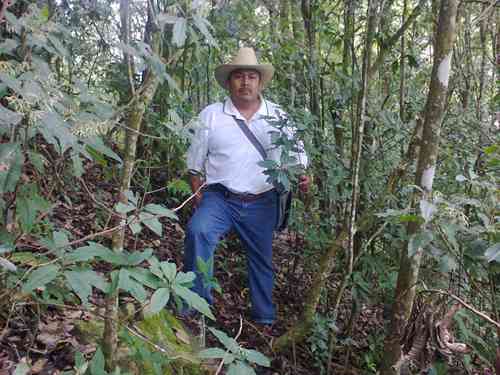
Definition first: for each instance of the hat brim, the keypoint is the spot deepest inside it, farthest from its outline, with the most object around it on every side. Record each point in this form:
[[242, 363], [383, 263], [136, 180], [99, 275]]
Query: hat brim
[[222, 73]]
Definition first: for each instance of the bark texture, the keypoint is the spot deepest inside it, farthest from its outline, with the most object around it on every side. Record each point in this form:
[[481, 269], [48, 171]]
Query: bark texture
[[426, 166]]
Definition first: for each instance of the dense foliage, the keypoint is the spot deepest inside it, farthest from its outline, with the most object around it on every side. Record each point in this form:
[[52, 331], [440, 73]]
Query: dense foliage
[[72, 73]]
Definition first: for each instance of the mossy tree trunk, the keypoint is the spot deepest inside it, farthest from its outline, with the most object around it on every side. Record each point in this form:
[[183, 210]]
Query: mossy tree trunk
[[426, 167]]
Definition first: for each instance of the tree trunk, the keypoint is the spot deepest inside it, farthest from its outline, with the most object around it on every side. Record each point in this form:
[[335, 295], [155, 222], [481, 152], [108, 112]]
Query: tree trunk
[[426, 167], [133, 120]]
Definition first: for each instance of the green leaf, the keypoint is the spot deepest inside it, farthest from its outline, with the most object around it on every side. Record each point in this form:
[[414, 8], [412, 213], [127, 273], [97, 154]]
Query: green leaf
[[493, 253], [98, 145], [122, 208], [225, 340], [145, 277], [157, 209], [126, 283], [240, 368], [56, 131], [184, 277], [155, 267], [86, 253], [8, 46], [78, 169], [137, 257], [419, 240], [26, 213], [194, 300], [135, 227], [22, 369], [11, 162], [151, 222], [158, 300], [37, 160], [212, 353], [8, 117], [82, 280], [40, 277], [179, 32], [169, 270], [254, 356], [202, 24], [97, 363]]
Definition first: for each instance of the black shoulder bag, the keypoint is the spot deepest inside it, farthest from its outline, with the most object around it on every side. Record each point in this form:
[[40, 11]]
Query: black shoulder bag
[[284, 196]]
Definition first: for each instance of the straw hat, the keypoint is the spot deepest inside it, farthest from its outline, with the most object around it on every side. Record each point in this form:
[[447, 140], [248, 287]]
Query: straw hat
[[245, 59]]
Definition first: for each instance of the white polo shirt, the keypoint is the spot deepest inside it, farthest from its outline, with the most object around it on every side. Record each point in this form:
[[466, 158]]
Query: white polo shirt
[[222, 152]]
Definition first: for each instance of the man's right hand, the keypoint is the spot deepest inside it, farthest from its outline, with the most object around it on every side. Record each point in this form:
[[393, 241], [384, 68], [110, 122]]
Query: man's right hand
[[196, 182]]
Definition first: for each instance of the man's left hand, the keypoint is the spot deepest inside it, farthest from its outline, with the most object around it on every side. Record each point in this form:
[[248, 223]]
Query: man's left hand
[[304, 181]]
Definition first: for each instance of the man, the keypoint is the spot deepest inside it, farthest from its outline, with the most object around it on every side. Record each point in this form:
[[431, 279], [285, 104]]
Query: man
[[237, 195]]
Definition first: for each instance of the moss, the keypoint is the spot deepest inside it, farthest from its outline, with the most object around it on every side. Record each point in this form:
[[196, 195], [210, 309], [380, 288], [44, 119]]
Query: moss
[[162, 329]]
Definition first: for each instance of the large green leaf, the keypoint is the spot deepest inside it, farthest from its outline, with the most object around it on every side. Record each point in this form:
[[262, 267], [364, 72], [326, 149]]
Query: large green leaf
[[40, 277], [157, 209], [126, 283], [28, 205], [145, 277], [158, 300], [89, 252], [56, 131], [169, 270], [151, 222], [11, 163], [82, 280], [194, 300], [97, 363]]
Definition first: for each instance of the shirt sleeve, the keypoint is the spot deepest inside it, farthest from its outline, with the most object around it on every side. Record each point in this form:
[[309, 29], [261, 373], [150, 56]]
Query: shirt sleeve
[[198, 150]]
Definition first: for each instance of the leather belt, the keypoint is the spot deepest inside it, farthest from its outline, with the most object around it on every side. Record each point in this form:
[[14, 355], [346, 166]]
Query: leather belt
[[244, 197]]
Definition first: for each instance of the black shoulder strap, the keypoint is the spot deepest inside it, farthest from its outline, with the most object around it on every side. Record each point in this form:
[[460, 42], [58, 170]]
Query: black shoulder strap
[[251, 137]]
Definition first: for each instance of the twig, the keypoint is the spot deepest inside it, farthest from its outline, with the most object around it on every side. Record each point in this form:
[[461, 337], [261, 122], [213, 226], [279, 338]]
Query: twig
[[191, 197], [221, 364], [463, 303], [94, 199]]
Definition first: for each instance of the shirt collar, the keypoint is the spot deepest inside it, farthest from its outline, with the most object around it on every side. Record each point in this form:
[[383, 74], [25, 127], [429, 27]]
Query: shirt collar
[[265, 109]]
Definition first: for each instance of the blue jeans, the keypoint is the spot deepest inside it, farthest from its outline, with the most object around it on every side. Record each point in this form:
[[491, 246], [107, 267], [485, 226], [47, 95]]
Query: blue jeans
[[254, 223]]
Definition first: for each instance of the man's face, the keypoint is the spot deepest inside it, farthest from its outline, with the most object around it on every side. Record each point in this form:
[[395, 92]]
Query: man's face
[[245, 85]]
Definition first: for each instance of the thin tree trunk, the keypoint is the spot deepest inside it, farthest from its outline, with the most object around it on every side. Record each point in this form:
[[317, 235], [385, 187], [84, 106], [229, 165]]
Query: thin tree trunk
[[402, 68], [133, 122], [426, 167]]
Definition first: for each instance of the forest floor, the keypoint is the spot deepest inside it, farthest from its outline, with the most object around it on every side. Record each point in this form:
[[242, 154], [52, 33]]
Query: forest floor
[[45, 336]]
